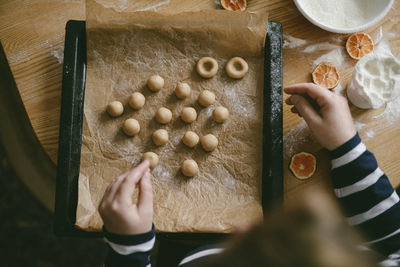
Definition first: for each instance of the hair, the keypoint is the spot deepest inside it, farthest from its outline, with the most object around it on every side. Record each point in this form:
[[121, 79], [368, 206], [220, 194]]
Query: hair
[[311, 233]]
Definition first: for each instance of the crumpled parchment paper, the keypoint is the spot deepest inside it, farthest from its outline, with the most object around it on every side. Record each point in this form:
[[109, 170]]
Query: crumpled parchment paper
[[123, 50]]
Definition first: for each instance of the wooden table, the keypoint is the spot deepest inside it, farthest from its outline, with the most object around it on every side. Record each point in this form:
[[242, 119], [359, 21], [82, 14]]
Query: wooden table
[[32, 33]]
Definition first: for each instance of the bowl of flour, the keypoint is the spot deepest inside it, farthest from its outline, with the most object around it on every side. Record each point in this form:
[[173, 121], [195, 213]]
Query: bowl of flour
[[344, 16]]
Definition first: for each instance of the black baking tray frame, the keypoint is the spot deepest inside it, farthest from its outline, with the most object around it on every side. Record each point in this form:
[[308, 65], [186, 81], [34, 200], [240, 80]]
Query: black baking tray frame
[[71, 119]]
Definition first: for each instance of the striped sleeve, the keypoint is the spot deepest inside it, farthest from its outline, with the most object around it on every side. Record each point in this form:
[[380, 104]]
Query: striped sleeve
[[368, 199], [129, 250]]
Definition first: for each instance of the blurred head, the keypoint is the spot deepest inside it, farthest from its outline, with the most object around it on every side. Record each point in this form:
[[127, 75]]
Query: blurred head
[[310, 233]]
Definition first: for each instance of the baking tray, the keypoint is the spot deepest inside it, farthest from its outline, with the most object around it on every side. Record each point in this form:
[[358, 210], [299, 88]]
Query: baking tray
[[70, 138]]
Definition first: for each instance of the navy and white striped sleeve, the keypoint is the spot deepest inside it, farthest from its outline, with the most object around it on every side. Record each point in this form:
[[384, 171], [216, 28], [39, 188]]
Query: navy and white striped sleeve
[[368, 199], [129, 250]]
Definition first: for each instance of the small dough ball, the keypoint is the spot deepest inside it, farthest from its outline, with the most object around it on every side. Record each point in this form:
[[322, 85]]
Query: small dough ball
[[236, 68], [131, 127], [190, 139], [137, 100], [209, 142], [207, 67], [115, 108], [220, 114], [188, 114], [155, 83], [182, 90], [163, 115], [152, 158], [189, 168], [160, 137], [206, 98]]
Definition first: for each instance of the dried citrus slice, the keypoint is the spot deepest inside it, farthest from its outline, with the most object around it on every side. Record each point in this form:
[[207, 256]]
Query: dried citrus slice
[[326, 75], [234, 5], [359, 44], [303, 165]]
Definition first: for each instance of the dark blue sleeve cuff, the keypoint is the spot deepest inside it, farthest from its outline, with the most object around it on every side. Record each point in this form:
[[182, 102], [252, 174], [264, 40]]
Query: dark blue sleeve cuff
[[346, 147], [129, 240]]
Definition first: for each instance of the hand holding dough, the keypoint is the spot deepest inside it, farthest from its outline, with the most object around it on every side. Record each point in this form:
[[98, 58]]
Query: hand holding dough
[[163, 115], [189, 168], [190, 139], [220, 114], [115, 109], [131, 127], [160, 137], [137, 100], [155, 83], [206, 98], [182, 90], [209, 142], [188, 114], [152, 158]]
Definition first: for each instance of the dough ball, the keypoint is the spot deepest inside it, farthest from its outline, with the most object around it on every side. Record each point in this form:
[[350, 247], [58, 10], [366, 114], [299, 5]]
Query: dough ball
[[190, 139], [189, 168], [182, 90], [236, 68], [220, 114], [207, 67], [155, 83], [152, 158], [206, 98], [160, 137], [137, 100], [209, 142], [188, 114], [163, 115], [131, 127], [115, 108]]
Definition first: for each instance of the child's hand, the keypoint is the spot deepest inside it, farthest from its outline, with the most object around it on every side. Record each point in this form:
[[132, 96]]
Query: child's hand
[[327, 114], [119, 214]]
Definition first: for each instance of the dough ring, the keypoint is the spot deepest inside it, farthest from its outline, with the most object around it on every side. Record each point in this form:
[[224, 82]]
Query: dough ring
[[236, 68], [207, 67]]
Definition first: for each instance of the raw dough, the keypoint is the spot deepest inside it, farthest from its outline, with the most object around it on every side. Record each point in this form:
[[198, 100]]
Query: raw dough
[[163, 115], [376, 79], [236, 68], [190, 139], [160, 137], [155, 83], [189, 168], [188, 114], [152, 158], [115, 108], [220, 114], [131, 127], [206, 98], [207, 67], [137, 100], [209, 142], [182, 90]]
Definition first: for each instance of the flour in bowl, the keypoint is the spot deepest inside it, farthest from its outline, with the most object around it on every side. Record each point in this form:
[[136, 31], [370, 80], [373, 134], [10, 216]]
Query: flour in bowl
[[340, 13]]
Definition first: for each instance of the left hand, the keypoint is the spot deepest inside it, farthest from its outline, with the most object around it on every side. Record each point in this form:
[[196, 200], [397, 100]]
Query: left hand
[[120, 215]]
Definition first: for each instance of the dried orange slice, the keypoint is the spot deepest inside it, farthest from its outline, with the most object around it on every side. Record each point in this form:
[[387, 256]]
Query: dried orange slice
[[359, 44], [303, 165], [234, 5], [326, 75]]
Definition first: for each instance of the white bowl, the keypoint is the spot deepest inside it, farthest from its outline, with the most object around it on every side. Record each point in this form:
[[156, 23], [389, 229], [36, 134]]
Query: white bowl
[[377, 11]]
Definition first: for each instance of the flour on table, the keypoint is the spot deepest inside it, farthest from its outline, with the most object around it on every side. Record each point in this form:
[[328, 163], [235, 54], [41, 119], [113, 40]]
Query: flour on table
[[319, 47], [292, 42]]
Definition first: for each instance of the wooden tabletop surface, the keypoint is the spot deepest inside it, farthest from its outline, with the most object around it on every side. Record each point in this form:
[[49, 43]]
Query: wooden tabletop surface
[[32, 33]]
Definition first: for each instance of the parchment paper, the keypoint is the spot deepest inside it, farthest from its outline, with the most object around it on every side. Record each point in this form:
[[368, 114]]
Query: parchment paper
[[123, 51]]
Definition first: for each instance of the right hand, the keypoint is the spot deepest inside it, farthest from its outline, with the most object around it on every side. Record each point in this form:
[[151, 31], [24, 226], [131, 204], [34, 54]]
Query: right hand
[[327, 114]]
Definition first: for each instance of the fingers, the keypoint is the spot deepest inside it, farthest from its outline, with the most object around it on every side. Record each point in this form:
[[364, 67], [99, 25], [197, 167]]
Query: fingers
[[145, 201], [314, 91], [304, 109], [113, 187], [127, 186]]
